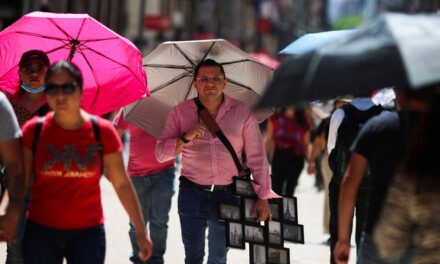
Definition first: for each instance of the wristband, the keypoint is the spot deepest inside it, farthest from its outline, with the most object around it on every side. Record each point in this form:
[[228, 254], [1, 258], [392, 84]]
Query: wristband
[[182, 137]]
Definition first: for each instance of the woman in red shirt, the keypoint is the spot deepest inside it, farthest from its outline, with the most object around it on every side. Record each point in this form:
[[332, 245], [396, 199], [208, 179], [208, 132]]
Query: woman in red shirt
[[287, 135], [65, 216]]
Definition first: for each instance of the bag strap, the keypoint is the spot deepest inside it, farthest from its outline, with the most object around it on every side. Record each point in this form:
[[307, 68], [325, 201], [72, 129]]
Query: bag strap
[[217, 132], [97, 133], [37, 133]]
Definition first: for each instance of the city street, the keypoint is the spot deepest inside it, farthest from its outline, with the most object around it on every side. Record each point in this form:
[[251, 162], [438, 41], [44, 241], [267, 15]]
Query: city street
[[310, 206]]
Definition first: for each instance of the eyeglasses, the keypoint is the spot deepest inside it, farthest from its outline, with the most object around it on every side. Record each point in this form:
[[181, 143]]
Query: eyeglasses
[[216, 79], [67, 88], [30, 69]]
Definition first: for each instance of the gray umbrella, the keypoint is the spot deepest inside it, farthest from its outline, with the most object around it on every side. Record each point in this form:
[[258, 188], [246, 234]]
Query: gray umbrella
[[170, 70], [394, 50]]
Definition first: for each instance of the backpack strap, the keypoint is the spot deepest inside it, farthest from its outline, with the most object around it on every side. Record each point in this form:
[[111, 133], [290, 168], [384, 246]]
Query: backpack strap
[[216, 131], [97, 133], [37, 133]]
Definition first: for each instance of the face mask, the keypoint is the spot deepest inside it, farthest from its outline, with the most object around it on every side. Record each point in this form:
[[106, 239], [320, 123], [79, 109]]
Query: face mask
[[33, 91]]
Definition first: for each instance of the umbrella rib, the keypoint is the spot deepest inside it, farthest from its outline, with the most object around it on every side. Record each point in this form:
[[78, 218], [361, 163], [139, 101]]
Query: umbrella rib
[[168, 83], [207, 52], [244, 60], [185, 55], [38, 35], [60, 28], [241, 85], [80, 28], [110, 59], [168, 66], [94, 77]]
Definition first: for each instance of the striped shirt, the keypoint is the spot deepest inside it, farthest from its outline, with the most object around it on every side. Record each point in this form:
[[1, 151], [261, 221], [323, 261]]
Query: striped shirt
[[206, 160]]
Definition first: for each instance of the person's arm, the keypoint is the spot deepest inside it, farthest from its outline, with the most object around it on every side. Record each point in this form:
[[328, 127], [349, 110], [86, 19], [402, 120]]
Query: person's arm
[[311, 154], [335, 122], [11, 153], [353, 176], [116, 174], [259, 166]]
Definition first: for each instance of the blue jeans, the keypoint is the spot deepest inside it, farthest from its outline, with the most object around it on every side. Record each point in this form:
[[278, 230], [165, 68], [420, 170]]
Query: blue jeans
[[154, 192], [368, 253], [198, 209], [45, 245]]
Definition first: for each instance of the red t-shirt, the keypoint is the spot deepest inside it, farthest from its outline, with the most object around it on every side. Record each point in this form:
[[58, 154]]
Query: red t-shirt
[[67, 170], [289, 133]]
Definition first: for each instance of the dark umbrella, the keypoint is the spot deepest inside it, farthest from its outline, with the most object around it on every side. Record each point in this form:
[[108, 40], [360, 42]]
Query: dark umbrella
[[394, 50]]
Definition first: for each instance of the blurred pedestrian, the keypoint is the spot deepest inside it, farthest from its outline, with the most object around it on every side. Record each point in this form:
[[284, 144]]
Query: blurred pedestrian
[[10, 151], [345, 124], [28, 101], [319, 145], [65, 152], [154, 185], [288, 135], [207, 165], [411, 214], [378, 146]]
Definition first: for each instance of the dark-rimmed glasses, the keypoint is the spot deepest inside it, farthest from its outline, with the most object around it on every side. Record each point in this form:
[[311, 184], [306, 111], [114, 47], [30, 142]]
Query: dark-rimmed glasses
[[66, 88], [216, 79]]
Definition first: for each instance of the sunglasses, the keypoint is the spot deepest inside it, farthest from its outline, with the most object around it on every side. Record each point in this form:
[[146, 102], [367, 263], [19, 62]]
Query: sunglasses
[[66, 88], [216, 79], [31, 69]]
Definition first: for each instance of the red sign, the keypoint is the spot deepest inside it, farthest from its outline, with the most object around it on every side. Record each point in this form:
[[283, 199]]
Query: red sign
[[157, 22]]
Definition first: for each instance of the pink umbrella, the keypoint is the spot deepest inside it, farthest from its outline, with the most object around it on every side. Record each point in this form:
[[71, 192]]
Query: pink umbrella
[[111, 64]]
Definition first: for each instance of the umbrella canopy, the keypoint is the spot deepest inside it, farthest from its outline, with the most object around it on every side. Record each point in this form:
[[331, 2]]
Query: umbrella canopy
[[311, 41], [394, 50], [264, 58], [170, 67], [111, 65]]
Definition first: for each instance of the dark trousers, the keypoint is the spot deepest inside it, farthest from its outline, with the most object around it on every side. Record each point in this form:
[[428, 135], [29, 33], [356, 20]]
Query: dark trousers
[[45, 245], [360, 210], [286, 167]]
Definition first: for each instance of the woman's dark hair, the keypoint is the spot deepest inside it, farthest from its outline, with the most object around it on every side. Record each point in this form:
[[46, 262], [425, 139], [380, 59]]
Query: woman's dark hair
[[70, 68], [421, 163], [208, 63]]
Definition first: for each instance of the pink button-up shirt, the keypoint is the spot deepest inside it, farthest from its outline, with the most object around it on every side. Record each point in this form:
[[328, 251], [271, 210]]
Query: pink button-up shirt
[[206, 160]]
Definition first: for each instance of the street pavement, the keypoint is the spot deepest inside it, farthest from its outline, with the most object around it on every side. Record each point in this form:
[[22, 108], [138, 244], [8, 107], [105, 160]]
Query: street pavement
[[310, 208], [310, 211]]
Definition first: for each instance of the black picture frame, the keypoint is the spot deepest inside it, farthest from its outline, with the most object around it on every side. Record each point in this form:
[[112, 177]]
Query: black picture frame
[[274, 233], [247, 207], [278, 255], [243, 187], [257, 253], [293, 233], [275, 207], [290, 210], [235, 235], [229, 212], [254, 234]]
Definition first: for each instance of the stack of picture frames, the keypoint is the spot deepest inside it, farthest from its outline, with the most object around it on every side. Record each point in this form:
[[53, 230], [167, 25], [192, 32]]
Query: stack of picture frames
[[266, 240]]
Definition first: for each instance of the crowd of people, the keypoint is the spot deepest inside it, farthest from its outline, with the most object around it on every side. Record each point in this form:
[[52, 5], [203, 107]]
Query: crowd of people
[[54, 154]]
